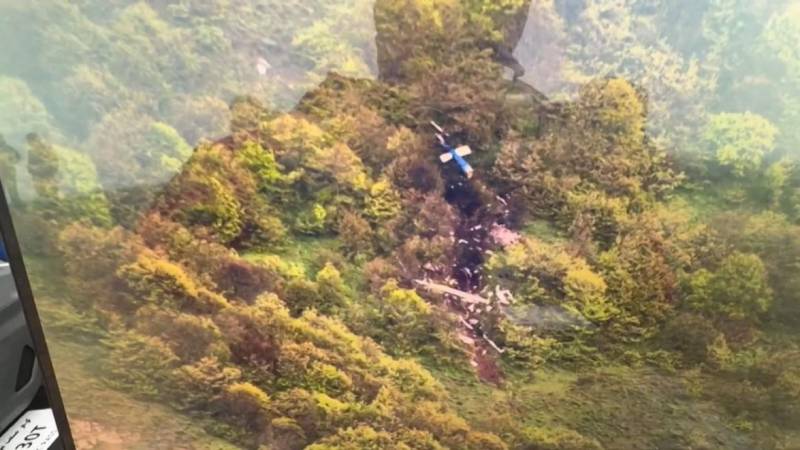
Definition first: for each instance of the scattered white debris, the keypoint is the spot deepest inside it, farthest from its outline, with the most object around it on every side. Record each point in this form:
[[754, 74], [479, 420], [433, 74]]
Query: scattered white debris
[[504, 296], [465, 297], [262, 66], [494, 346]]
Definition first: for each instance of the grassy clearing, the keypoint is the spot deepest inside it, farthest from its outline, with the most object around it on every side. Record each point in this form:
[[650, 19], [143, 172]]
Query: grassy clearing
[[104, 419], [545, 231], [101, 417], [304, 254], [621, 407]]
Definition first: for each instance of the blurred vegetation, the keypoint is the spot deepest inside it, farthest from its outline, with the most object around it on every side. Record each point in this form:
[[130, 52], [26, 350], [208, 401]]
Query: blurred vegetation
[[235, 196]]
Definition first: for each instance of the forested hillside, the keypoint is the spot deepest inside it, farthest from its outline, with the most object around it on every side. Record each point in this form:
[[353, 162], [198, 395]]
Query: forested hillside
[[238, 207]]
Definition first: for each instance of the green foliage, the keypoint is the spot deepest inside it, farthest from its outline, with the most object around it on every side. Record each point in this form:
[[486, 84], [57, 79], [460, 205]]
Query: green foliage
[[356, 235], [222, 212], [302, 294], [780, 34], [9, 158], [141, 363], [560, 173], [81, 196], [740, 142], [152, 280], [302, 144], [557, 438], [191, 337], [88, 254], [339, 41], [587, 290], [362, 437], [65, 183], [43, 167], [383, 202], [494, 17], [263, 233], [265, 169], [312, 221], [331, 288], [641, 269], [21, 112], [540, 273], [162, 141], [616, 107], [738, 289], [614, 39], [777, 243], [128, 146], [201, 384], [693, 336], [333, 201], [405, 322], [435, 21], [248, 403]]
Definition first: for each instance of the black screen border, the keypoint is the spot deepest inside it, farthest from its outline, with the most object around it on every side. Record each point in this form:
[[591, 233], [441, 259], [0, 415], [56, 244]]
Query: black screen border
[[25, 293]]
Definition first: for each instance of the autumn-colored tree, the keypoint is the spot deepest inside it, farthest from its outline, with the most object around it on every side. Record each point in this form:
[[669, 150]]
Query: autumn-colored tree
[[356, 235], [567, 160]]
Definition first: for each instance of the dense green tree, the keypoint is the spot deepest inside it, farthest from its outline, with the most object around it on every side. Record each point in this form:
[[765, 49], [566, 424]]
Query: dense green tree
[[80, 195], [740, 142], [737, 289], [142, 363], [43, 166], [777, 243], [406, 320]]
